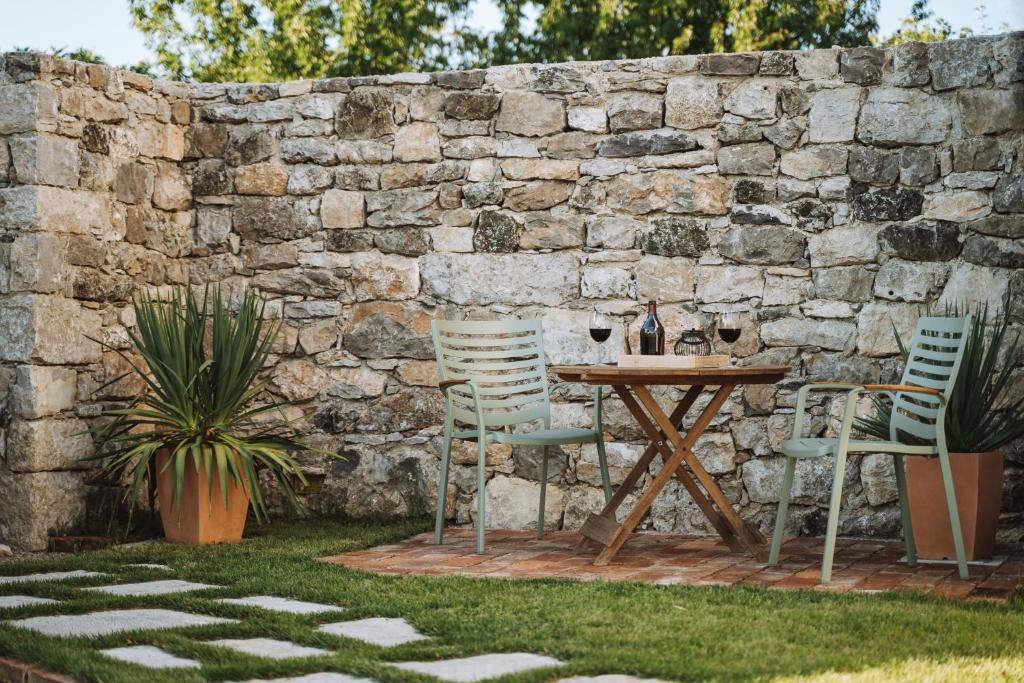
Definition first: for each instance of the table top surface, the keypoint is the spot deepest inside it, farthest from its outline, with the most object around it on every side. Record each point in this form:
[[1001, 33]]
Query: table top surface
[[612, 374]]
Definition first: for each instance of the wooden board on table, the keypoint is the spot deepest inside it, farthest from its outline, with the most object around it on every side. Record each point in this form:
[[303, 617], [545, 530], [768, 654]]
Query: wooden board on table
[[613, 374], [637, 361]]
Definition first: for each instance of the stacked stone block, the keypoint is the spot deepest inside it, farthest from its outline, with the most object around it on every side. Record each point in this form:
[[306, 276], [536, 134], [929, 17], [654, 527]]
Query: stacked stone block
[[831, 194]]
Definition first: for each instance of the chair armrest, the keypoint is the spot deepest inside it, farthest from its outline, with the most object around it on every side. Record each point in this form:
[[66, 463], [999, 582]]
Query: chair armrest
[[801, 399], [446, 384], [902, 388]]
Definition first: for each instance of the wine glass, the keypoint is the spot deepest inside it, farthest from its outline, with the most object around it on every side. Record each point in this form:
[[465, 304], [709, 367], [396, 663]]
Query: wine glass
[[600, 327], [730, 325]]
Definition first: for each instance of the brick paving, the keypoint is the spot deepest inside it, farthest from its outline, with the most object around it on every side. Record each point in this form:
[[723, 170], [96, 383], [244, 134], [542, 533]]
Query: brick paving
[[860, 565]]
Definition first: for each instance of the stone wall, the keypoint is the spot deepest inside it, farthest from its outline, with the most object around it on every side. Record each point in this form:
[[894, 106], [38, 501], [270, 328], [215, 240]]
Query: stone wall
[[829, 194]]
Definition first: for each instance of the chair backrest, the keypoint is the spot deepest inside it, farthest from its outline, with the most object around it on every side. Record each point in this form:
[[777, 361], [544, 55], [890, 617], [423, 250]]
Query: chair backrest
[[933, 361], [505, 360]]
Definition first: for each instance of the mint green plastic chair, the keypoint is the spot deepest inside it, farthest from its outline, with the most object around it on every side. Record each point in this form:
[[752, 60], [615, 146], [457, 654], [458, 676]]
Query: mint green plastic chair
[[493, 377], [916, 429]]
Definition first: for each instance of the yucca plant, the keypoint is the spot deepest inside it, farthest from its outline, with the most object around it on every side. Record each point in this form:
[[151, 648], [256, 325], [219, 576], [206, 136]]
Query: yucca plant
[[206, 403], [979, 418]]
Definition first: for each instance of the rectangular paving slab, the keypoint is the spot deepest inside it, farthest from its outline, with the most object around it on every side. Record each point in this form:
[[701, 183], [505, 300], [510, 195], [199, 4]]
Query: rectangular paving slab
[[49, 576], [115, 621], [270, 648], [150, 657], [12, 601], [481, 667], [162, 587], [382, 631], [277, 604]]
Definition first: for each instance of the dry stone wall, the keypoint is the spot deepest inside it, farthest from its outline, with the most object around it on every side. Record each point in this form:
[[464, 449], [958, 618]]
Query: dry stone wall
[[829, 194]]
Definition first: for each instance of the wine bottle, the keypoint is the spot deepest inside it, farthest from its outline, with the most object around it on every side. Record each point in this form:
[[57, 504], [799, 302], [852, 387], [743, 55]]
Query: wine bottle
[[652, 333]]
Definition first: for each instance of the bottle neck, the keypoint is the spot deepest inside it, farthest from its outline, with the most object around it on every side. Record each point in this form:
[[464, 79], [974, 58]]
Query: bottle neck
[[652, 308]]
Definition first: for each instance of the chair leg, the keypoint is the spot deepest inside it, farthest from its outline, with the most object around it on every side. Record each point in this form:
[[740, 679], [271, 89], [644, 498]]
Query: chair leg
[[899, 465], [442, 485], [954, 514], [780, 515], [543, 493], [833, 517], [481, 507], [602, 460]]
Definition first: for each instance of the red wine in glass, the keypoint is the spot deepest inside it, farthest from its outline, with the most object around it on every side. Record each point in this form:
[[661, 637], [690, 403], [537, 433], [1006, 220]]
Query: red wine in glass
[[729, 327], [600, 327]]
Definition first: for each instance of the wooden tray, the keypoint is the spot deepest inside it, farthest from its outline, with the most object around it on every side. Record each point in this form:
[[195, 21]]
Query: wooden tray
[[637, 361]]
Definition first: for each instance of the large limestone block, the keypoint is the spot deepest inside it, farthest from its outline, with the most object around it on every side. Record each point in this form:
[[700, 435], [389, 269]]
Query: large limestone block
[[754, 99], [38, 503], [517, 279], [260, 179], [364, 114], [843, 246], [531, 114], [384, 277], [692, 101], [41, 390], [48, 330], [35, 264], [54, 209], [992, 111], [875, 327], [45, 159], [972, 285], [898, 116], [878, 478], [512, 504], [812, 479], [26, 107], [828, 334], [634, 111], [726, 284], [766, 245], [814, 161], [417, 141], [665, 279], [342, 209], [833, 115], [47, 445]]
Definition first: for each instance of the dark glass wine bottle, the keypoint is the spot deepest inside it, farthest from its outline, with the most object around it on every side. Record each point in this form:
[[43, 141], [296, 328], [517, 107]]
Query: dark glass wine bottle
[[652, 333]]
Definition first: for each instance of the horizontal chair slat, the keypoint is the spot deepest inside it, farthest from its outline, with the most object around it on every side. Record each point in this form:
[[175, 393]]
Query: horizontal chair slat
[[486, 326], [495, 419], [447, 342], [502, 390], [494, 365], [492, 354]]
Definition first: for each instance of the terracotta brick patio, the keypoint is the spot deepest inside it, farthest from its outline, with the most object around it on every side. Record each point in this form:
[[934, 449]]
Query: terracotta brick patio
[[860, 565]]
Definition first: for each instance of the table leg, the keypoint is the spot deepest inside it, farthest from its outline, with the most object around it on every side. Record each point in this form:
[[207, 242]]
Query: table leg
[[618, 537], [749, 534], [638, 470], [658, 440]]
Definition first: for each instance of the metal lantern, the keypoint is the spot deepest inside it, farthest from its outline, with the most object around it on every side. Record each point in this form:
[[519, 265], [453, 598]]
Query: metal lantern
[[693, 343]]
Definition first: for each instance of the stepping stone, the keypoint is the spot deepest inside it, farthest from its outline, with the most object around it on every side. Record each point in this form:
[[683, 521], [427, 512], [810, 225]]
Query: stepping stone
[[609, 678], [150, 565], [322, 677], [152, 587], [277, 604], [12, 601], [115, 621], [481, 667], [49, 576], [382, 631], [270, 648], [150, 657]]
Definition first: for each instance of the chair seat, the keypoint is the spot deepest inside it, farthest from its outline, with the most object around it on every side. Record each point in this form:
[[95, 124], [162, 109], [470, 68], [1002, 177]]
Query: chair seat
[[541, 437], [821, 448]]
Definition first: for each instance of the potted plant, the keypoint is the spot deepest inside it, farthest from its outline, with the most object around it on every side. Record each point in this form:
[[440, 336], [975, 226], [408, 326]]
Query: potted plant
[[981, 419], [205, 426]]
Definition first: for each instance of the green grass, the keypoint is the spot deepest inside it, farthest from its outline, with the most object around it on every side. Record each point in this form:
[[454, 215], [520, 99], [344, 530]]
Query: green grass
[[674, 633]]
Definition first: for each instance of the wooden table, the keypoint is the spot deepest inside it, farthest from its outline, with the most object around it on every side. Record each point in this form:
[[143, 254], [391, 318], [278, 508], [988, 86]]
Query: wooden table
[[676, 450]]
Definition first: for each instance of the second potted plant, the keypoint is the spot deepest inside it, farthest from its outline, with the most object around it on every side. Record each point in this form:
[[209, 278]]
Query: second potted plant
[[205, 426], [981, 420]]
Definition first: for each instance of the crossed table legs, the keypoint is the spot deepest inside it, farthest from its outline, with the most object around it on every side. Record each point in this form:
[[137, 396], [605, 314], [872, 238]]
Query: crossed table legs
[[680, 462]]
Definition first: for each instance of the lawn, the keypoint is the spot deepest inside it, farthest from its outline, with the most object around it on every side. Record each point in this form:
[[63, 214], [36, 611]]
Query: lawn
[[673, 633]]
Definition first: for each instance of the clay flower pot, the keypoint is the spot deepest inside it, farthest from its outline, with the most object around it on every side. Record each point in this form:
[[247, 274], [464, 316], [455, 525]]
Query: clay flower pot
[[978, 483], [199, 518]]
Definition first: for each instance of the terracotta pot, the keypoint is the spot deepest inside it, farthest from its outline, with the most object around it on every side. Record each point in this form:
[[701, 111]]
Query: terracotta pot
[[978, 483], [199, 518]]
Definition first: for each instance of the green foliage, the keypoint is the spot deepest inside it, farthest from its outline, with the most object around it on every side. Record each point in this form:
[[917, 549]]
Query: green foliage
[[587, 30], [920, 26], [202, 371], [267, 40], [981, 415]]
